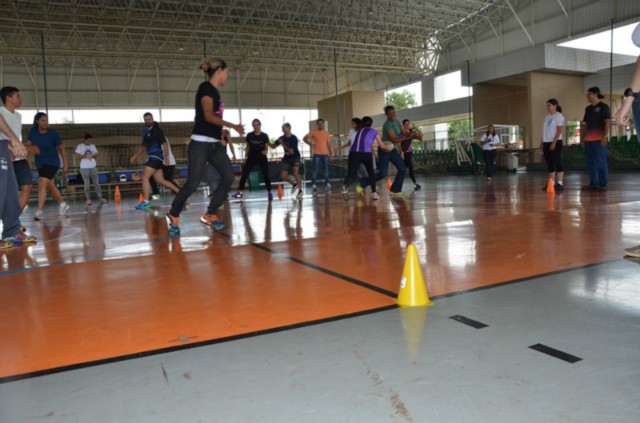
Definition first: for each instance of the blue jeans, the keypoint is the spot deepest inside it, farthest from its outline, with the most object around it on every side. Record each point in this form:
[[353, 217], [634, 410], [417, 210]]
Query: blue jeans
[[320, 159], [9, 203], [597, 165], [384, 158]]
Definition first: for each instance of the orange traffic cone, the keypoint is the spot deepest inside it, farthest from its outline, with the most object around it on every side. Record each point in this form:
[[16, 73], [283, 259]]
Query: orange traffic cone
[[550, 188], [413, 292], [141, 198], [117, 196], [280, 191], [389, 184], [550, 200]]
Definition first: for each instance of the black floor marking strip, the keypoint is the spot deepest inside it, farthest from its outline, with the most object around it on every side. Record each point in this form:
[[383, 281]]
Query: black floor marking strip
[[190, 346], [470, 322], [321, 269], [555, 353]]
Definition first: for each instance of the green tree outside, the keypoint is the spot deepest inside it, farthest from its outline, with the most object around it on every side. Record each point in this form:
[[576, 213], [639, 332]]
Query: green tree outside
[[402, 100], [459, 129]]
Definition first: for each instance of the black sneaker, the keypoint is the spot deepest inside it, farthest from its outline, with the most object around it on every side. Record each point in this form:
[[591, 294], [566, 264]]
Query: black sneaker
[[601, 188], [559, 187], [589, 187], [417, 187], [544, 188]]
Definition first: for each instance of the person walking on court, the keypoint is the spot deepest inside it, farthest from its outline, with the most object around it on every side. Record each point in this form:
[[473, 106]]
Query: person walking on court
[[594, 135], [552, 143], [168, 172], [489, 140], [205, 147], [631, 103], [154, 143], [48, 162], [360, 153], [10, 148], [291, 160], [87, 152], [11, 100], [320, 142], [256, 154], [406, 149]]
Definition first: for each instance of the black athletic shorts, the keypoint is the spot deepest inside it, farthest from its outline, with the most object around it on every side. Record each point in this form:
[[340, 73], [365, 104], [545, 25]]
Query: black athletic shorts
[[48, 172], [154, 163]]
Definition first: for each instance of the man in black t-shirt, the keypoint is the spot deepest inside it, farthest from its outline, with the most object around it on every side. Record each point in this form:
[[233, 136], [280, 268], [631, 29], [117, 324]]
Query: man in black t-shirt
[[256, 154], [594, 135]]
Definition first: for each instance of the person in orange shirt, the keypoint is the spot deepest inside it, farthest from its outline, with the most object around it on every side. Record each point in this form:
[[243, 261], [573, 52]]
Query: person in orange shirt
[[320, 141]]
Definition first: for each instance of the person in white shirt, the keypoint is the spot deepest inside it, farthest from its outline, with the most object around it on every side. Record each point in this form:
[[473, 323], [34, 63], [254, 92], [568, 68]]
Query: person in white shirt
[[489, 141], [86, 152], [552, 143], [11, 100]]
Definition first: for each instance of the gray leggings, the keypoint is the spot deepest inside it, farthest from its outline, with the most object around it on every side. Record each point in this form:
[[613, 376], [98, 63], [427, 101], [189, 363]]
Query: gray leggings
[[88, 176]]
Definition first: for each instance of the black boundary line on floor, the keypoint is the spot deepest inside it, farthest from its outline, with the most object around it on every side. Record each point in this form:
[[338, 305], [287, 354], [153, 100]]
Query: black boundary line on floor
[[469, 322], [189, 346], [321, 269], [560, 355]]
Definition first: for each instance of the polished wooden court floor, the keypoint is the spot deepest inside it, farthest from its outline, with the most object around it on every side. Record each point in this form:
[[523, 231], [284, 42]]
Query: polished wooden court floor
[[108, 283]]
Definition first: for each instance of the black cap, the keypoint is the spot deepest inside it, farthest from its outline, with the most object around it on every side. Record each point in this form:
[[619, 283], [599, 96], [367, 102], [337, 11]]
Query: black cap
[[596, 91]]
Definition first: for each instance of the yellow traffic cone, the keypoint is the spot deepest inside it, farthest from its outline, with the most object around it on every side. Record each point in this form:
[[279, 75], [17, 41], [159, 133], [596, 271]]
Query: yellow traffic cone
[[280, 191], [413, 291], [389, 184], [117, 196], [550, 187]]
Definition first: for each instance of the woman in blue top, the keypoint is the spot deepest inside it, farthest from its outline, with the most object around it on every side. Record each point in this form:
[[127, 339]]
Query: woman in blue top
[[48, 162]]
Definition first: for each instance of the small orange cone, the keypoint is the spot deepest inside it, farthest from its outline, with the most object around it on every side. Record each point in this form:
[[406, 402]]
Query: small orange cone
[[389, 184], [550, 199], [550, 188], [141, 198], [117, 196], [280, 191], [413, 292]]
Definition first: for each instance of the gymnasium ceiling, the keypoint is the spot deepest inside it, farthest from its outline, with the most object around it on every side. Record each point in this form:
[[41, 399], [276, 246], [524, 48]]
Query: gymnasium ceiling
[[368, 35]]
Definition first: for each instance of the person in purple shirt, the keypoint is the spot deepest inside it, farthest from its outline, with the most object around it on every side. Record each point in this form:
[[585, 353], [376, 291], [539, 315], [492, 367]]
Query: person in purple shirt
[[360, 153]]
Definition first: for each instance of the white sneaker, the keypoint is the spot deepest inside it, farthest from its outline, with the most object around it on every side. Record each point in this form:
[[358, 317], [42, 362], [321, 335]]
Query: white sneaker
[[238, 195], [38, 215], [375, 196], [345, 190], [299, 195], [633, 251], [327, 187], [63, 209], [314, 188]]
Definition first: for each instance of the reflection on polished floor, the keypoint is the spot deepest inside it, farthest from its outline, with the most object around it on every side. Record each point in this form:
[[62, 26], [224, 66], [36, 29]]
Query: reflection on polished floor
[[107, 284]]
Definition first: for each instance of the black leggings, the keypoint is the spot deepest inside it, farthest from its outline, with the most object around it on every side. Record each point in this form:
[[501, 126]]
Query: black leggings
[[408, 161], [252, 160], [553, 158], [353, 164], [489, 160]]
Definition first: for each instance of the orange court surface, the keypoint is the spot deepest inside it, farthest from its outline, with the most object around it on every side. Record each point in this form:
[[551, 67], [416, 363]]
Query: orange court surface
[[108, 283]]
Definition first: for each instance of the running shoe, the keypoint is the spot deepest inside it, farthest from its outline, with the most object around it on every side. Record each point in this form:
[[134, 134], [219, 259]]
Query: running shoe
[[143, 205], [345, 190], [212, 220], [5, 245], [89, 202], [299, 193], [359, 189], [327, 187], [173, 224], [589, 187], [558, 187], [398, 194], [375, 196], [237, 196], [38, 215], [23, 229], [293, 188], [314, 188], [20, 238], [417, 187], [601, 188], [63, 209], [270, 196], [155, 197]]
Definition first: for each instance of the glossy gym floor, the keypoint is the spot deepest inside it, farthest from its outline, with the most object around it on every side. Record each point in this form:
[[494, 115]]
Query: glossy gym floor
[[289, 314]]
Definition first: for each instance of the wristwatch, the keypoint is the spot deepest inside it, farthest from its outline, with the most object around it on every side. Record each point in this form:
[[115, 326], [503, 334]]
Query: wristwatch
[[629, 93]]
